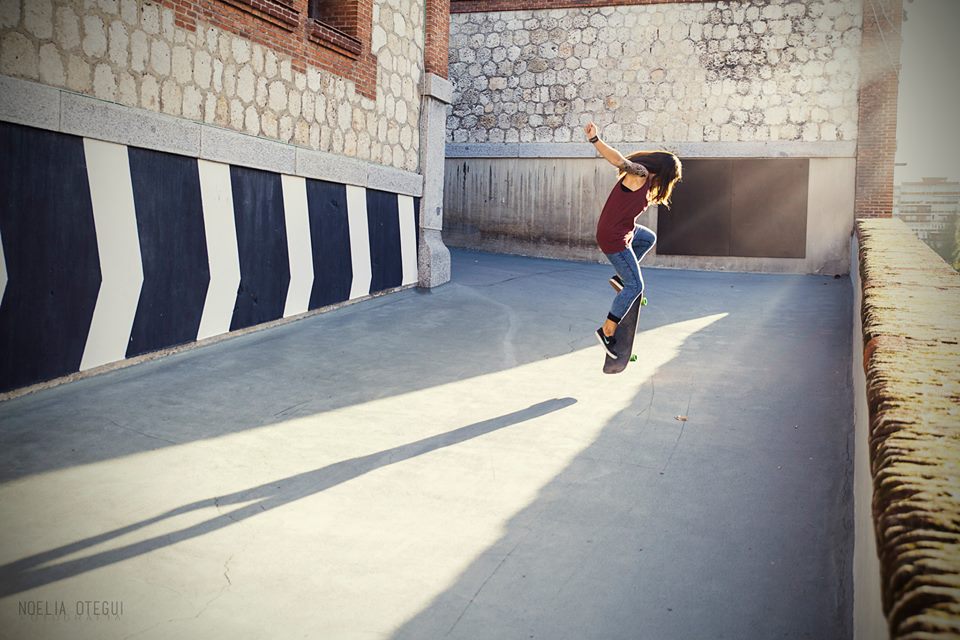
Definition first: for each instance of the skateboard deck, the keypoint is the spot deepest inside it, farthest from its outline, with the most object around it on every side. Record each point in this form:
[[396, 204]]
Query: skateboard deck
[[626, 331]]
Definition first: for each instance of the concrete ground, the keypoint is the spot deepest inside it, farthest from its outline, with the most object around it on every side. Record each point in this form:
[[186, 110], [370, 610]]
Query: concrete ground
[[453, 463]]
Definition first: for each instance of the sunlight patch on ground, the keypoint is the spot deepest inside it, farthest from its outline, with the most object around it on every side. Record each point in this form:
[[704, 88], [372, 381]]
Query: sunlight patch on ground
[[372, 509]]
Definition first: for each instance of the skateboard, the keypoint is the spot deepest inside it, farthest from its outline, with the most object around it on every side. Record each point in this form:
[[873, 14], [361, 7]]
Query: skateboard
[[626, 331]]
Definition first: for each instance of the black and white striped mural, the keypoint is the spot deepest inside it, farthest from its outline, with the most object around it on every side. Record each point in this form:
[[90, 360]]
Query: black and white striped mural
[[109, 252]]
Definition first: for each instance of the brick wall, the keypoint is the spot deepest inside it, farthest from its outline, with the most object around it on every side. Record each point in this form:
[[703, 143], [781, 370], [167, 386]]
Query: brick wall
[[286, 27], [879, 80], [438, 37]]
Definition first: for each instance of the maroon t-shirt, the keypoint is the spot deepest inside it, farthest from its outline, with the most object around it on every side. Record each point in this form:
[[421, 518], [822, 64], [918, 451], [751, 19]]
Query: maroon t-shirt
[[619, 215]]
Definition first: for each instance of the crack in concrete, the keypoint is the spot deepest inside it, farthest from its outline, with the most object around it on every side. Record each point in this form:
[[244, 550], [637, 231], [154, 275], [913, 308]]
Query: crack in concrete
[[571, 344], [683, 425], [209, 602], [299, 404], [484, 584], [226, 570], [526, 275], [145, 435], [509, 351], [653, 393], [620, 461], [229, 514]]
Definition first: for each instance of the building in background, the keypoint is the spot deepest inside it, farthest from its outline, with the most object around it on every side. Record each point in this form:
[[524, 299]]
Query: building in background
[[931, 208]]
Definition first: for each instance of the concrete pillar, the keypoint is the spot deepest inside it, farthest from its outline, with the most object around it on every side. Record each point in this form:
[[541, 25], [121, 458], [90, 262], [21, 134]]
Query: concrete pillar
[[434, 257]]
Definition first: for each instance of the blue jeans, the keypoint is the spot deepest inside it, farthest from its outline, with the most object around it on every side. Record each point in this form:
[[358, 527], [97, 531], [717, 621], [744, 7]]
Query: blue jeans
[[627, 264]]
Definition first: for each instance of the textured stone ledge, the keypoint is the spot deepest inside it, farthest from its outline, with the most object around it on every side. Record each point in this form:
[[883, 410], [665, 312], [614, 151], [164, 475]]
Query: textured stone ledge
[[911, 329]]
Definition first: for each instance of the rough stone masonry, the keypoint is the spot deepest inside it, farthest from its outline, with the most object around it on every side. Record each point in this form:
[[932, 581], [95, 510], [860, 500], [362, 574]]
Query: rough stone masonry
[[132, 52], [721, 71]]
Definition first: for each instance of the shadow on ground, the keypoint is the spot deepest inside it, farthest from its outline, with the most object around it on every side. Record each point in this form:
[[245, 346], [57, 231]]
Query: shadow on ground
[[497, 314], [37, 570], [717, 504]]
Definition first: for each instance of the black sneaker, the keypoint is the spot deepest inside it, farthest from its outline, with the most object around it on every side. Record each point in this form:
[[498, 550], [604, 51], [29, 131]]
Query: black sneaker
[[616, 283], [607, 343]]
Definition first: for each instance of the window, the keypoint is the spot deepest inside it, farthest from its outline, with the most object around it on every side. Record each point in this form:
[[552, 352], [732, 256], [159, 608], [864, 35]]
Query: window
[[336, 24]]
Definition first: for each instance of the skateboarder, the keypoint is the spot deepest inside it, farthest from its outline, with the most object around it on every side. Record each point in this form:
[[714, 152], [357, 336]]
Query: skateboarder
[[644, 177]]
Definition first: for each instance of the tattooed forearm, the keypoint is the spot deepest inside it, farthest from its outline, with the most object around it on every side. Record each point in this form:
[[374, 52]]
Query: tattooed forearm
[[635, 168]]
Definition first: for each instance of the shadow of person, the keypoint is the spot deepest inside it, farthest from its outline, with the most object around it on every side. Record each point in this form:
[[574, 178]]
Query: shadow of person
[[27, 573]]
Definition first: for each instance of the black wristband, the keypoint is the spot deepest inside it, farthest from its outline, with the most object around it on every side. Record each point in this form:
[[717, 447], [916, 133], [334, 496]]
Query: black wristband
[[595, 139]]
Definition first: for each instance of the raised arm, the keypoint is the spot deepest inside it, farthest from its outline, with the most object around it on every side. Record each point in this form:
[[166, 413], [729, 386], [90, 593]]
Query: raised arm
[[613, 156]]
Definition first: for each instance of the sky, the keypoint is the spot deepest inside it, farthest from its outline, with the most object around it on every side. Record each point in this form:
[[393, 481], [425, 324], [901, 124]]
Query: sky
[[928, 117]]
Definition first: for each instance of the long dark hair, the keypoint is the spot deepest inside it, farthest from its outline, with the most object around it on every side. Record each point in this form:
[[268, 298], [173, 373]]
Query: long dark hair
[[665, 172]]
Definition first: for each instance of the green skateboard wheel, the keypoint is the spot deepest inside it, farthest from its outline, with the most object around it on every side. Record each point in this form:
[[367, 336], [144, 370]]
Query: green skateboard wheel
[[633, 358], [643, 301]]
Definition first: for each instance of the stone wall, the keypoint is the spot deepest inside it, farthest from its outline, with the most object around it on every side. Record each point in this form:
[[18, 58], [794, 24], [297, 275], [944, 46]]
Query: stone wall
[[741, 79], [716, 71], [132, 52]]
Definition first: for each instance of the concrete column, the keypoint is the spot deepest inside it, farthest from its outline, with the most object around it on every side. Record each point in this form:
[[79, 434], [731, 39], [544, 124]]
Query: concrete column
[[434, 257]]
